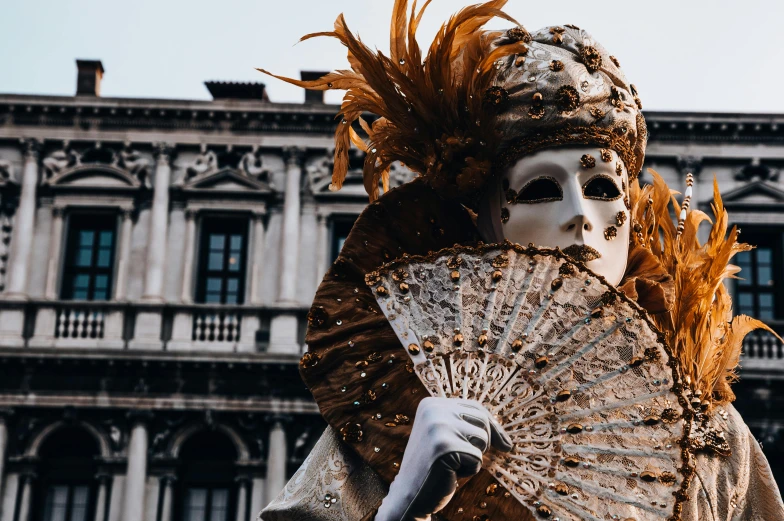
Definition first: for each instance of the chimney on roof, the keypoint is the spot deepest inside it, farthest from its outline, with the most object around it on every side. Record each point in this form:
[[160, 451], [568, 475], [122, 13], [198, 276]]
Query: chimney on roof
[[312, 96], [237, 90], [88, 79]]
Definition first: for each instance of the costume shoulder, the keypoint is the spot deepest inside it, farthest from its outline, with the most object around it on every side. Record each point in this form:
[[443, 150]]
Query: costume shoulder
[[333, 484], [739, 487]]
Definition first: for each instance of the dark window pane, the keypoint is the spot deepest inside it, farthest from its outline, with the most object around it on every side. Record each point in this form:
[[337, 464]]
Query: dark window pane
[[764, 255], [220, 505], [106, 239], [82, 281], [56, 504], [86, 238], [84, 257], [79, 503], [746, 303], [217, 241], [234, 264], [236, 242], [214, 284], [764, 276], [232, 285], [104, 258], [196, 504], [215, 262]]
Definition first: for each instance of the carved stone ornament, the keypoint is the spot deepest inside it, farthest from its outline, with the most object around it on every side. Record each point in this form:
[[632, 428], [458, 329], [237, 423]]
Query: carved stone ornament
[[205, 162], [61, 160], [136, 165], [6, 172], [251, 165], [756, 171]]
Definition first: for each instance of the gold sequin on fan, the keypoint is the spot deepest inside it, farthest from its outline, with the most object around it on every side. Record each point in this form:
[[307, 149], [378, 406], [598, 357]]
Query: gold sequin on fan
[[428, 346], [309, 360], [413, 349], [587, 161], [382, 291], [556, 66], [458, 339], [482, 340]]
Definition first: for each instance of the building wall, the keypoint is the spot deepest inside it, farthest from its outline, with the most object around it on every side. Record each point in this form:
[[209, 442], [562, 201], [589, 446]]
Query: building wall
[[133, 372]]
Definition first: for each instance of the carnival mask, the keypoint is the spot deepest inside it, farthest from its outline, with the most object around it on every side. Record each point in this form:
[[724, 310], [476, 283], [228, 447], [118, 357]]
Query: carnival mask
[[573, 198]]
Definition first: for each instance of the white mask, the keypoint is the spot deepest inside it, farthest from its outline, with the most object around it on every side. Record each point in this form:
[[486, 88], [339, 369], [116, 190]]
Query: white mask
[[554, 198]]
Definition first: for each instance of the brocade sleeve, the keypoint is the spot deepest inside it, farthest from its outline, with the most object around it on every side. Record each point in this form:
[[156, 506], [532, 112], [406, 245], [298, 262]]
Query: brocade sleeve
[[737, 488], [333, 484]]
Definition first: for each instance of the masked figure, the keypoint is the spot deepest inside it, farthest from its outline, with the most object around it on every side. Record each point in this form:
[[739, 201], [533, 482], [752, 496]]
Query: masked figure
[[531, 138]]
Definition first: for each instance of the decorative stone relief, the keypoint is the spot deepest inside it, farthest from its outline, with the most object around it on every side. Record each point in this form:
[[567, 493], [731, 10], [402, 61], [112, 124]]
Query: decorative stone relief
[[61, 160], [756, 171], [6, 172], [251, 165], [136, 164], [205, 162], [6, 226]]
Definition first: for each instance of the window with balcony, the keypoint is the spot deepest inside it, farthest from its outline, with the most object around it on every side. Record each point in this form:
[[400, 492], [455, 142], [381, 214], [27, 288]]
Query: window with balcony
[[758, 294], [89, 257], [341, 226], [222, 261]]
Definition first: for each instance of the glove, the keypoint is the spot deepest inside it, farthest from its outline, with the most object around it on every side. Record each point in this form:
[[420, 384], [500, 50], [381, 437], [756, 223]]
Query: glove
[[447, 442]]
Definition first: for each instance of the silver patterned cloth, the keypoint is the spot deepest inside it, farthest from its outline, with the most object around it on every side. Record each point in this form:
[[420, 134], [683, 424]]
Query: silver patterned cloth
[[333, 484]]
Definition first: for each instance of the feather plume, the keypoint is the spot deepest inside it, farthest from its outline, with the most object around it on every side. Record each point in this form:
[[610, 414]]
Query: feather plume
[[699, 324], [430, 111]]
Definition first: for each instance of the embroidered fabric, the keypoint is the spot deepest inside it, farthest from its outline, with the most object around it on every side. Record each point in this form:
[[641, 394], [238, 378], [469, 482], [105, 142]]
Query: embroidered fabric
[[574, 371], [333, 484], [737, 488]]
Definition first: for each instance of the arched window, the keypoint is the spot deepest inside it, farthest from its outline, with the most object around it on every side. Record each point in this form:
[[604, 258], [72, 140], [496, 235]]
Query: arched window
[[67, 470], [207, 490]]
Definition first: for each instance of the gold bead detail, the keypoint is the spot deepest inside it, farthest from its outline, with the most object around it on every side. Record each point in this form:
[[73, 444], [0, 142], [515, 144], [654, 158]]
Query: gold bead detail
[[428, 346], [517, 345], [413, 349], [482, 340]]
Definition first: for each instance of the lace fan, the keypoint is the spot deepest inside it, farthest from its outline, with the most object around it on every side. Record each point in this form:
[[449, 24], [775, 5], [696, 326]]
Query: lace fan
[[574, 370]]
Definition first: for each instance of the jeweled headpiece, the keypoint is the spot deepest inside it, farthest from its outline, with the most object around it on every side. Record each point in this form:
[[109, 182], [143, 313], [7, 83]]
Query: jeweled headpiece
[[477, 101]]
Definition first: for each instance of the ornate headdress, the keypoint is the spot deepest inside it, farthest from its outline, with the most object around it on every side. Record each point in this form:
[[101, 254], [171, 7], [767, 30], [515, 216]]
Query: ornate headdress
[[478, 100]]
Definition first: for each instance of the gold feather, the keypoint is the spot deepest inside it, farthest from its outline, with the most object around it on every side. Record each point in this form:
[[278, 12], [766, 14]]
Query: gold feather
[[698, 325], [429, 110]]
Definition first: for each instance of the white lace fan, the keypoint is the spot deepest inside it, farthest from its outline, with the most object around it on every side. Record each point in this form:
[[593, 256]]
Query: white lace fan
[[574, 371]]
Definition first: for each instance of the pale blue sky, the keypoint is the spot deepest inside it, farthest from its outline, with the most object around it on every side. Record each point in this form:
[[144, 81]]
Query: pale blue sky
[[702, 55]]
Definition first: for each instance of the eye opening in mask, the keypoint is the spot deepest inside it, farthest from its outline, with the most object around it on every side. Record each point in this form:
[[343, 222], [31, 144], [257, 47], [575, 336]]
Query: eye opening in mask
[[601, 188], [540, 190]]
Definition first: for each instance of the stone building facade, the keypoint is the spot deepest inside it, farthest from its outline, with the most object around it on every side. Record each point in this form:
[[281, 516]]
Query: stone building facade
[[157, 261]]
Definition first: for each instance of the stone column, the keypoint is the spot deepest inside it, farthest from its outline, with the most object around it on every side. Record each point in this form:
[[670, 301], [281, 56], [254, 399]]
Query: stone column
[[186, 286], [136, 475], [55, 245], [24, 224], [242, 498], [257, 496], [100, 500], [123, 263], [291, 218], [26, 497], [4, 415], [322, 254], [259, 235], [167, 483], [150, 320], [283, 326], [159, 223], [276, 459]]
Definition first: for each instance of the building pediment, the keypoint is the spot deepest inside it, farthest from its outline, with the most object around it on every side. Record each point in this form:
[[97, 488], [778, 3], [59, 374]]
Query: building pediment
[[756, 193], [226, 180], [96, 176]]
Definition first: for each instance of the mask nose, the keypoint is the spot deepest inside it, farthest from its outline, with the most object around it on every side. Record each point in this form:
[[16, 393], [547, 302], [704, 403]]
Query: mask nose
[[576, 221]]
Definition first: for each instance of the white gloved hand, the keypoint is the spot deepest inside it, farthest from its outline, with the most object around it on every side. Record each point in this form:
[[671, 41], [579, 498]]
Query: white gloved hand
[[447, 442]]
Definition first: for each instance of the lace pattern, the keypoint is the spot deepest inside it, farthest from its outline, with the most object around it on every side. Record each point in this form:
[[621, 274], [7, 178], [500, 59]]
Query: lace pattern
[[575, 372]]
